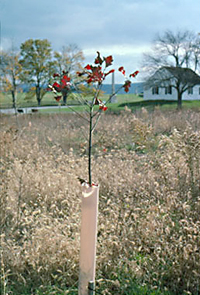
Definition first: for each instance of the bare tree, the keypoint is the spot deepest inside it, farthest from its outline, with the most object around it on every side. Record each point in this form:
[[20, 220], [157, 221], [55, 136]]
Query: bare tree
[[196, 53], [69, 60], [173, 51]]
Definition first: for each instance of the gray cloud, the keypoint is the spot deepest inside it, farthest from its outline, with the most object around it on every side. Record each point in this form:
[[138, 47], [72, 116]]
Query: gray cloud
[[94, 24]]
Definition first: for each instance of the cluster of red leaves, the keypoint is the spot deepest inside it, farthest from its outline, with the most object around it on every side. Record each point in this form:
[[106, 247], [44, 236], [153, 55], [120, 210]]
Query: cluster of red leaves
[[99, 60], [95, 73], [101, 104], [63, 86], [127, 83]]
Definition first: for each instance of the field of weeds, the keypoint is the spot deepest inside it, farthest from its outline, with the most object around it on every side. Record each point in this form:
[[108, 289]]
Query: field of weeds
[[147, 165]]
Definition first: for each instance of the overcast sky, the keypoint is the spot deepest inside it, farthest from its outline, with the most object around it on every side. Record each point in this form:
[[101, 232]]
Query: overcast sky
[[123, 28]]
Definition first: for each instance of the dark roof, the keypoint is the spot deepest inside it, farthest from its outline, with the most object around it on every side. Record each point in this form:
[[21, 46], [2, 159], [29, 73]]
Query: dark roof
[[185, 74]]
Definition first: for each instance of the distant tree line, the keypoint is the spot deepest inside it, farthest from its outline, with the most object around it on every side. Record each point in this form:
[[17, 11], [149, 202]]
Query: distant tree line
[[35, 64]]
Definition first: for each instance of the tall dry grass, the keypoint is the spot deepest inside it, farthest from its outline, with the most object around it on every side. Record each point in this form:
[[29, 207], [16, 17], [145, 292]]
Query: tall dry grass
[[147, 165]]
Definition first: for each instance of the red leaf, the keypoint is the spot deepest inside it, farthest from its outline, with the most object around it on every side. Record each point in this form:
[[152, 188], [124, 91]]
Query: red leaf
[[58, 98], [98, 59], [134, 74], [96, 75], [103, 107], [66, 78], [101, 104], [108, 60], [90, 80], [121, 69], [56, 75], [111, 71], [88, 67], [64, 83], [56, 85], [127, 85]]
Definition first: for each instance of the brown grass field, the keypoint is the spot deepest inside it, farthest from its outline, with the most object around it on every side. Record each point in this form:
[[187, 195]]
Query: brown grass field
[[147, 165]]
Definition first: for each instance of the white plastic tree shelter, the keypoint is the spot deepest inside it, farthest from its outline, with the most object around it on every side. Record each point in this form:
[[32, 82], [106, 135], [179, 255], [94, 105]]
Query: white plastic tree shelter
[[87, 263]]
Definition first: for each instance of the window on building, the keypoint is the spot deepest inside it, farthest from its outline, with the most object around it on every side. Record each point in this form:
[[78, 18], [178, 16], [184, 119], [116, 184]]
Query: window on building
[[169, 89], [190, 90], [155, 90]]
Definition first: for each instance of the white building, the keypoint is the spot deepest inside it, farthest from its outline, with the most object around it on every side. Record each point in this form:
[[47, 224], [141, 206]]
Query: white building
[[163, 84]]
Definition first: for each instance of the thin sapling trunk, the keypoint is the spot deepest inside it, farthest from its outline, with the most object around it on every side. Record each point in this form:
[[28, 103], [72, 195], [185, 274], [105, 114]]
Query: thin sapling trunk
[[93, 75], [90, 146]]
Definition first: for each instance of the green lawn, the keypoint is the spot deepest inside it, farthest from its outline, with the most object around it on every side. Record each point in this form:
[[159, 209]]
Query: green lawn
[[48, 100], [23, 101], [164, 104], [131, 101]]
